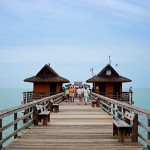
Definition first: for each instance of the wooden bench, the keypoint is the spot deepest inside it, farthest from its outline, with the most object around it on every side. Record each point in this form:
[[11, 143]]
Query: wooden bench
[[55, 108], [55, 104], [121, 128], [95, 101], [43, 113]]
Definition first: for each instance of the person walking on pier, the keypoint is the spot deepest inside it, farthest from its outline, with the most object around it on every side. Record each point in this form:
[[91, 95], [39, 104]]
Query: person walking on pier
[[72, 92], [86, 95], [79, 93], [67, 93]]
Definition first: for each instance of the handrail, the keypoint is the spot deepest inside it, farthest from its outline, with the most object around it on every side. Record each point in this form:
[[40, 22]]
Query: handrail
[[27, 116], [31, 96], [135, 109], [122, 96], [118, 109], [7, 112]]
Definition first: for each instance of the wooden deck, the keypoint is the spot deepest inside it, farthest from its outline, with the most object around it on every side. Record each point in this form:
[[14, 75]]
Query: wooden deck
[[75, 127]]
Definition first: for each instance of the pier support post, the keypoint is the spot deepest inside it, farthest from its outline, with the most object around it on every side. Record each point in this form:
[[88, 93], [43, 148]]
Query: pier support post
[[97, 102], [114, 108], [35, 116], [25, 112], [15, 125], [134, 137], [120, 110], [148, 146], [0, 133]]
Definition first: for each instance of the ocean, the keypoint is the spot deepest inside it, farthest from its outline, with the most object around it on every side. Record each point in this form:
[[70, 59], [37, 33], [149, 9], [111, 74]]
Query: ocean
[[10, 97]]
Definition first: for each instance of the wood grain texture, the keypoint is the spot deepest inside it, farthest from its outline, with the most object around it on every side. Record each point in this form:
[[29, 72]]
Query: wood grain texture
[[74, 127]]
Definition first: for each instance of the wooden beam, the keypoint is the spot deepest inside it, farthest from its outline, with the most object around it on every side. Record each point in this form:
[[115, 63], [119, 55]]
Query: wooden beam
[[15, 125], [134, 137], [0, 133], [148, 146], [119, 110]]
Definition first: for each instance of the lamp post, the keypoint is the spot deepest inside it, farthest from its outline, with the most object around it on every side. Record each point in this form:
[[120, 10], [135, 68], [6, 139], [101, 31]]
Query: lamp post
[[92, 71], [92, 76]]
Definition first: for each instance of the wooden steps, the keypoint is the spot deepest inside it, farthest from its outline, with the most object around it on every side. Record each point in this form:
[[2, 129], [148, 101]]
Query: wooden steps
[[74, 127]]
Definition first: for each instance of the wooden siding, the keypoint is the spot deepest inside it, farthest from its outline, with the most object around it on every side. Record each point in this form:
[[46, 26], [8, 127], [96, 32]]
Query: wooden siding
[[96, 90], [41, 87], [58, 87], [109, 90]]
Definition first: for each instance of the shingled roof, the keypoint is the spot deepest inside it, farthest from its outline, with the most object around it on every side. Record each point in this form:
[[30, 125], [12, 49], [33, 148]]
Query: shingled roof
[[103, 77], [47, 74]]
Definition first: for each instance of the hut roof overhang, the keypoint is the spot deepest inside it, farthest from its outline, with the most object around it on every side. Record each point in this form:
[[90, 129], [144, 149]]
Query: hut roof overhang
[[103, 77], [108, 79], [47, 74]]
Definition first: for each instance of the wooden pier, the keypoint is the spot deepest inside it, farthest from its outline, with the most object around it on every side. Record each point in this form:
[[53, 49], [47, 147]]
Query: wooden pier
[[74, 127]]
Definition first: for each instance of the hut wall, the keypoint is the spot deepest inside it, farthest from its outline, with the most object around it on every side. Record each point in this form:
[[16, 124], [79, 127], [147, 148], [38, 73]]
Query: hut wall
[[58, 87], [40, 90], [120, 87], [109, 90], [120, 90], [41, 87], [117, 87], [96, 88]]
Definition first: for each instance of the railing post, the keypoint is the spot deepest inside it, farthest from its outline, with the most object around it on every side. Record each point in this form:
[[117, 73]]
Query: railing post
[[25, 112], [97, 102], [119, 109], [134, 137], [114, 108], [15, 125], [148, 146], [109, 109], [35, 116], [0, 133], [117, 96]]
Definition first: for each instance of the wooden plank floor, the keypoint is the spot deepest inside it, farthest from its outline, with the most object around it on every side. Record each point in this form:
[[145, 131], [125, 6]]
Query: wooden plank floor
[[75, 127]]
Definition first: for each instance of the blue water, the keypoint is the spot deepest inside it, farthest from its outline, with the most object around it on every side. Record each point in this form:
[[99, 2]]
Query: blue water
[[10, 97], [141, 96]]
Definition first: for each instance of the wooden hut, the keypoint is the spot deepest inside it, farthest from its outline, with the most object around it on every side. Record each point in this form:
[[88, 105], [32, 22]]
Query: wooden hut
[[77, 83], [109, 83], [46, 82]]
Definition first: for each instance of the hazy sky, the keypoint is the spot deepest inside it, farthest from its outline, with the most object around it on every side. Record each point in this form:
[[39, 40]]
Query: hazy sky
[[74, 36]]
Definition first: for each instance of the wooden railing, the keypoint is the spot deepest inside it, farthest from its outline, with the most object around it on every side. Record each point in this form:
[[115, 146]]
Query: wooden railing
[[27, 115], [121, 96], [117, 110], [31, 96]]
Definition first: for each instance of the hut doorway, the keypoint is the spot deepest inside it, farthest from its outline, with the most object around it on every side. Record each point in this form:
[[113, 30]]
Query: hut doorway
[[52, 88], [102, 88]]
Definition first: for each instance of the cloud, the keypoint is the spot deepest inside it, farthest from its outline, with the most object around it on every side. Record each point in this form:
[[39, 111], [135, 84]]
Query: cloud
[[61, 53], [37, 8], [72, 54], [122, 8]]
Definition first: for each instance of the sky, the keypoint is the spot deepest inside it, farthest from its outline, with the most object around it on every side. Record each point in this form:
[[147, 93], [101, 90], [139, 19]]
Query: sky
[[74, 36]]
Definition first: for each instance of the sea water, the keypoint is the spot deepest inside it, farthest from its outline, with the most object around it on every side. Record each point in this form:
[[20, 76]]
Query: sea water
[[141, 98], [10, 97]]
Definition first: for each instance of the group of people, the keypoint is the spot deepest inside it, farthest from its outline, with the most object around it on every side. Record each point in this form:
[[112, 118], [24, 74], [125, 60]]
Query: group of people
[[80, 92]]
